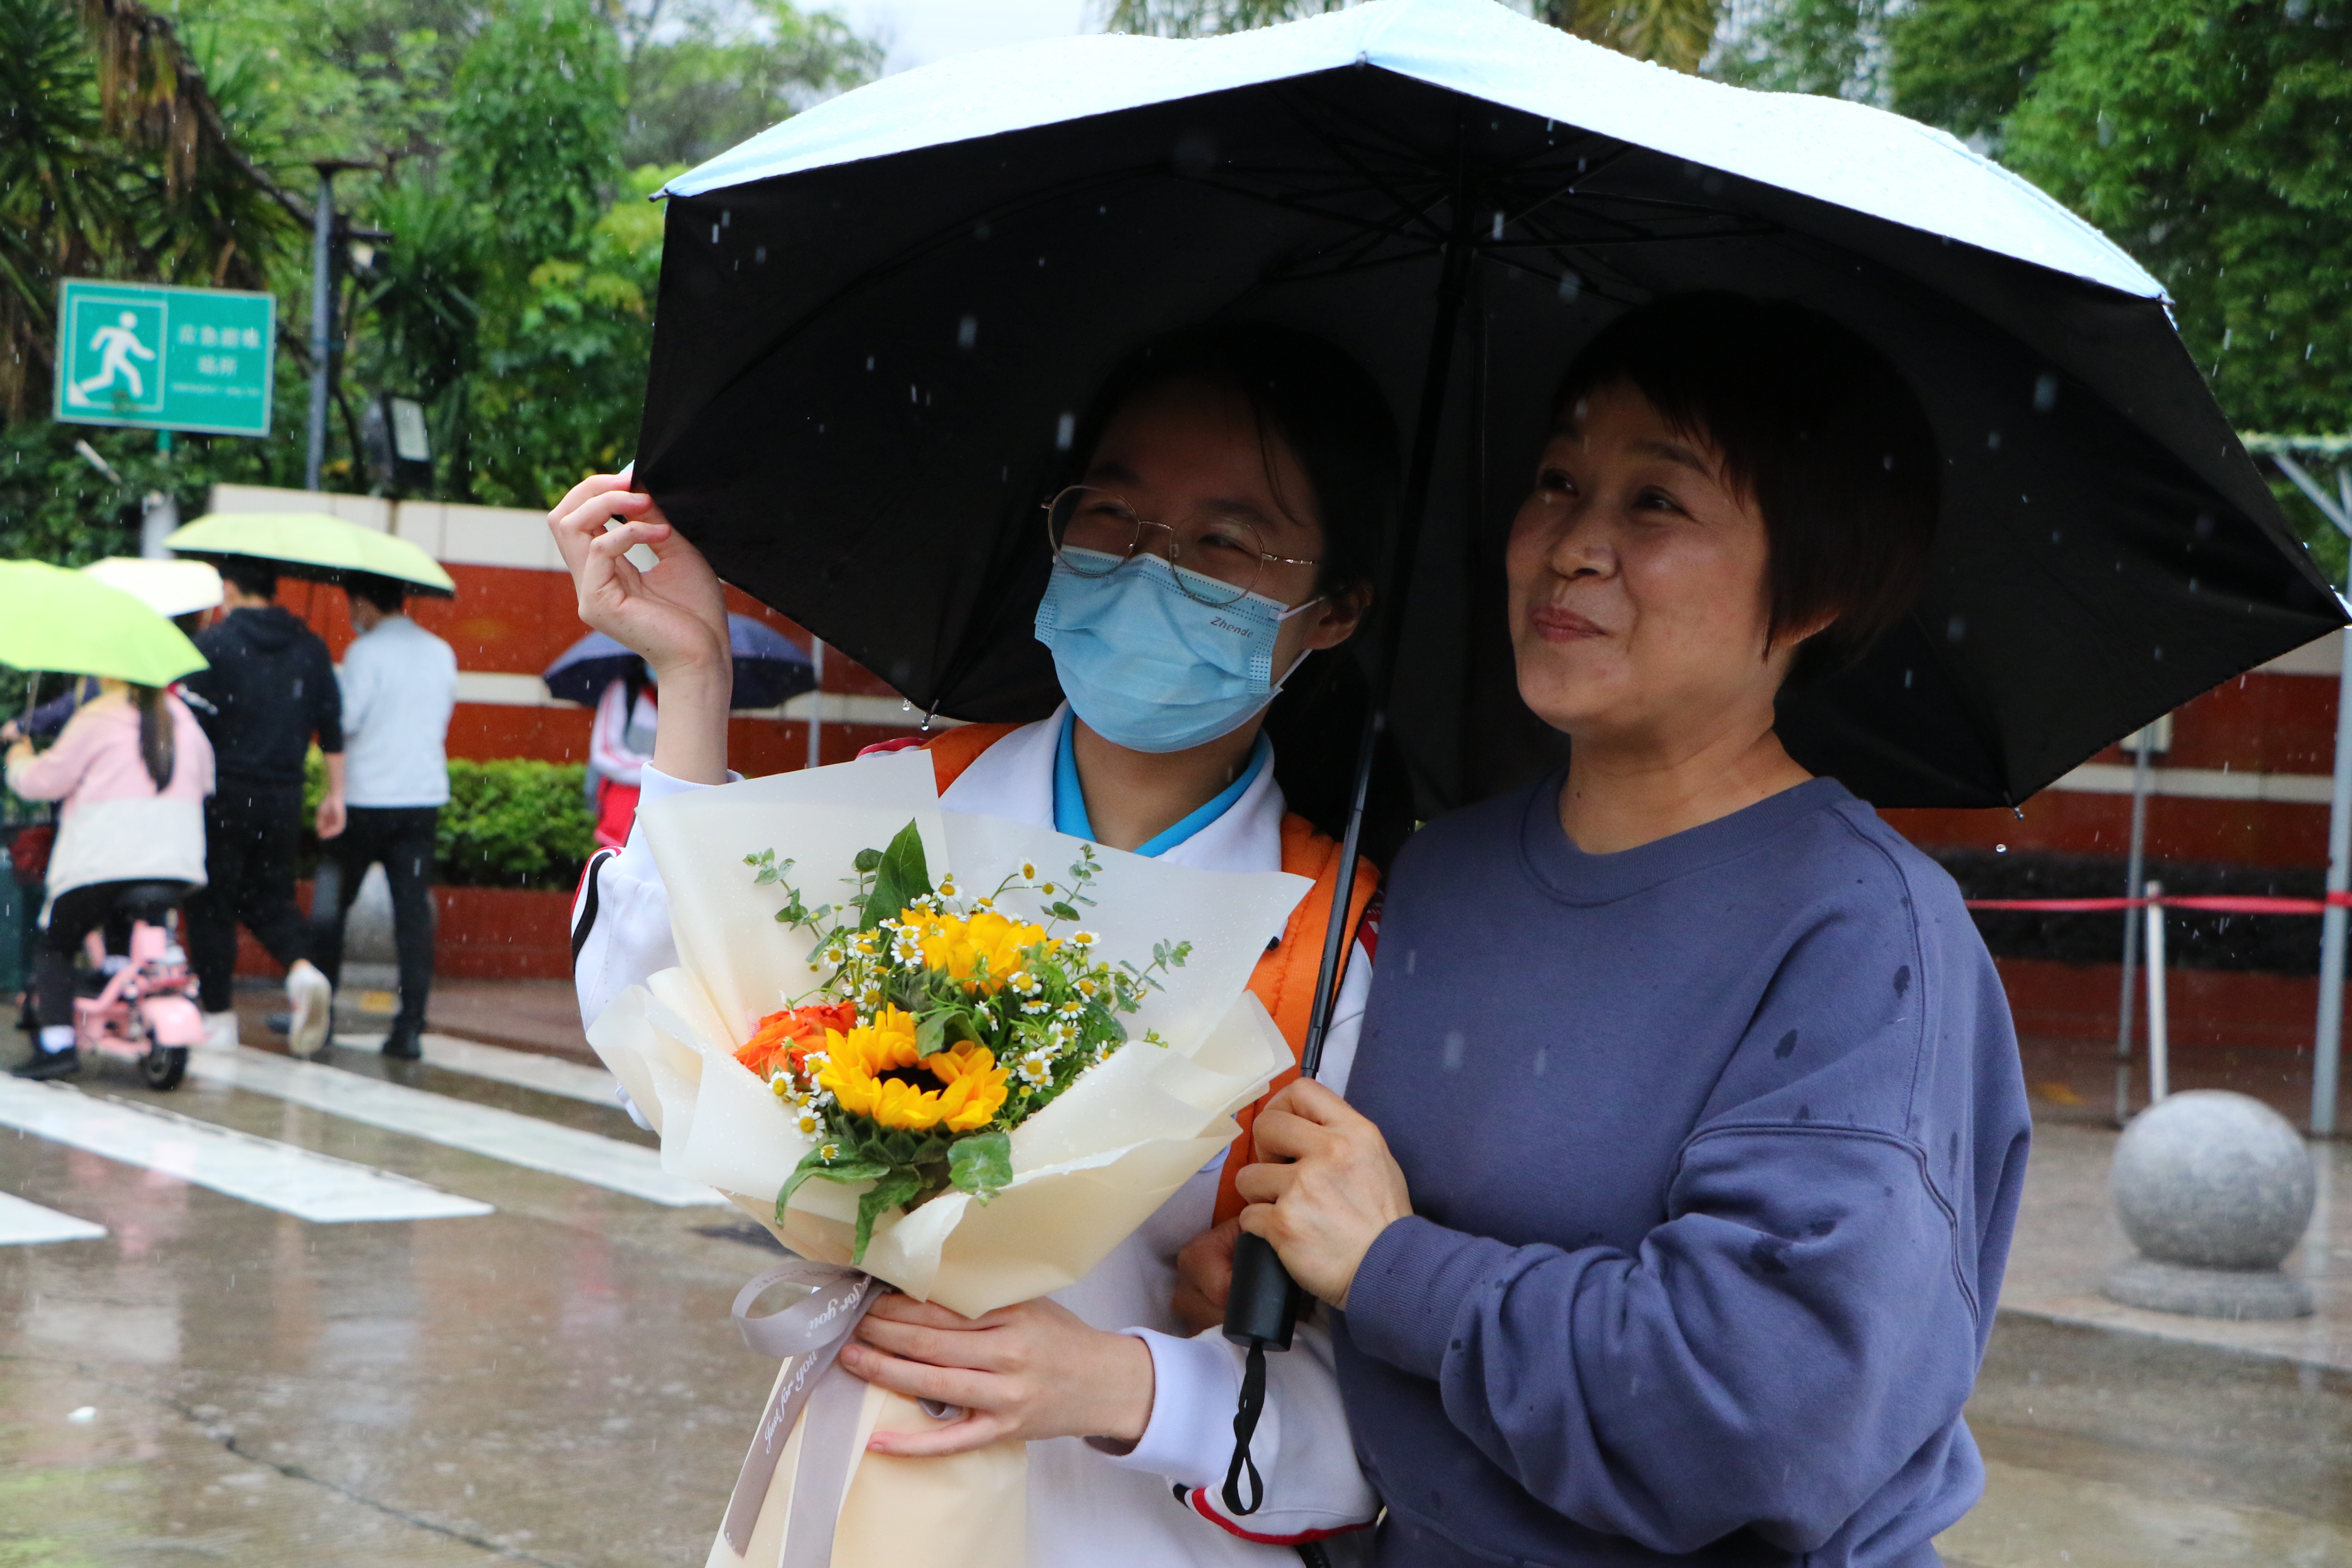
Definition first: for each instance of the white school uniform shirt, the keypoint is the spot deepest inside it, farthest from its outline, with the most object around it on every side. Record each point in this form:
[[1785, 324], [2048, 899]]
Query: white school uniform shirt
[[1085, 1506]]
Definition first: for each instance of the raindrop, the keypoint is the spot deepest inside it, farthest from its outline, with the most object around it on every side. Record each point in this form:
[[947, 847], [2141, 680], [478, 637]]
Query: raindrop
[[1907, 680], [84, 1415], [1569, 286], [1543, 1055], [911, 396], [714, 234], [2159, 654], [1499, 226], [727, 218], [869, 361], [2204, 525], [2045, 392], [2000, 848], [1453, 1043], [758, 256], [1992, 440], [1956, 629], [1064, 432]]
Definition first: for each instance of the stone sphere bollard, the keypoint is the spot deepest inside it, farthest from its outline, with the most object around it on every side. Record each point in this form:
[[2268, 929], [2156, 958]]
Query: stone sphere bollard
[[2215, 1189]]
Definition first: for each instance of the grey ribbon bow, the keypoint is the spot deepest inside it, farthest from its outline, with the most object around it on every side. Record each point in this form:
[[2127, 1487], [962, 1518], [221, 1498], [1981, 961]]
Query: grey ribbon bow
[[810, 1333]]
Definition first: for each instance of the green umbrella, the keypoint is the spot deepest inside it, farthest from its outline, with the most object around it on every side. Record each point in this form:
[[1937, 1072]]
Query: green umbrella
[[313, 545], [75, 625]]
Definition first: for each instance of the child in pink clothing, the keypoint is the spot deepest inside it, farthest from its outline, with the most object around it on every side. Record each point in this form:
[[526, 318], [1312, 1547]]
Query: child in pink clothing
[[133, 769]]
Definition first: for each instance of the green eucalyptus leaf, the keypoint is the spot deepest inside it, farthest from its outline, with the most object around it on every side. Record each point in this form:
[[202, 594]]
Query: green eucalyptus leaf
[[886, 1194], [900, 877], [980, 1164], [814, 1164]]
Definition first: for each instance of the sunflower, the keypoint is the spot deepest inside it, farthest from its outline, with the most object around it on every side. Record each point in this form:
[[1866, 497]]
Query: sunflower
[[960, 945], [875, 1070]]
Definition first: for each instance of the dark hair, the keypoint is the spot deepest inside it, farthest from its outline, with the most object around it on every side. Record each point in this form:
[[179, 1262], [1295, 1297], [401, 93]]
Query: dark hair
[[254, 578], [1335, 420], [1817, 427], [1302, 391], [386, 594], [155, 747]]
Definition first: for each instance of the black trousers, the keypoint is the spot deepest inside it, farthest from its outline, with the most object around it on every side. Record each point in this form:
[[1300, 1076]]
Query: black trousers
[[251, 838], [401, 838], [76, 913]]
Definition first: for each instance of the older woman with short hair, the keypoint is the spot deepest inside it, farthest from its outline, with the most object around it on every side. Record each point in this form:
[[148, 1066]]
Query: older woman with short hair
[[1668, 1206]]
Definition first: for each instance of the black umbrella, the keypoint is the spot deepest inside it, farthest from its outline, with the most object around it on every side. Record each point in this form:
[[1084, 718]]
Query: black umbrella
[[876, 319]]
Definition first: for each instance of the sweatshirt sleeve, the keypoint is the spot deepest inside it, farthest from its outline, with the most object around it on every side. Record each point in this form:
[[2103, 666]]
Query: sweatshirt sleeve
[[52, 774], [622, 936], [1804, 1320]]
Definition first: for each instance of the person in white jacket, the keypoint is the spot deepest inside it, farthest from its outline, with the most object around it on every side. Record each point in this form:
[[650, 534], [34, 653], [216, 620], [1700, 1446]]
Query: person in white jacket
[[1232, 482]]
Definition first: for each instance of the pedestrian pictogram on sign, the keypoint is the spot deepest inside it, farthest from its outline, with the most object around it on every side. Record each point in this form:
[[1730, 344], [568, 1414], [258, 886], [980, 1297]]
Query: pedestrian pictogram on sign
[[163, 358]]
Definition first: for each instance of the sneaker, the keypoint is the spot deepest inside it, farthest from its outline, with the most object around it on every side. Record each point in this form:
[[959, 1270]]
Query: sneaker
[[405, 1045], [313, 1001], [220, 1032], [48, 1065]]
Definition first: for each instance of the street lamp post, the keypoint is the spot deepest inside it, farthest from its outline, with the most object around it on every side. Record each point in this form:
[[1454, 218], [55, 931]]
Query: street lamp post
[[322, 315]]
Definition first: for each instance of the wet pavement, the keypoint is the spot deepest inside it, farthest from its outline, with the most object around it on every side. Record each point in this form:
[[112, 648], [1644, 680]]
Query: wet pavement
[[551, 1377]]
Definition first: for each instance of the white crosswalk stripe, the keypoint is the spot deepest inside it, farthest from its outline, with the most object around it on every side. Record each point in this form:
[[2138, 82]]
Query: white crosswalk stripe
[[22, 1222], [527, 1069], [258, 1170], [504, 1135]]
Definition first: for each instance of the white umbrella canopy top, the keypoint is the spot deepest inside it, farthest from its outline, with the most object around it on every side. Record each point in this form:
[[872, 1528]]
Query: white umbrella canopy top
[[877, 318]]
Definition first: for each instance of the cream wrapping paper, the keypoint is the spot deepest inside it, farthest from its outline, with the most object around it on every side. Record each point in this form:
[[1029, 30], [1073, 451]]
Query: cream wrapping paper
[[1087, 1169]]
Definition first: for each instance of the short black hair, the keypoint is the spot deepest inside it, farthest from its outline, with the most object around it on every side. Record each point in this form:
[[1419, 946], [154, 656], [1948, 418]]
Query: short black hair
[[1320, 403], [386, 594], [254, 578], [1818, 427]]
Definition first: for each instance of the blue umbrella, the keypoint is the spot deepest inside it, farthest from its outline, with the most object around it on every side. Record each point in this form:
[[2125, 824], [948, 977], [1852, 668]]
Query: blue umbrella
[[770, 667]]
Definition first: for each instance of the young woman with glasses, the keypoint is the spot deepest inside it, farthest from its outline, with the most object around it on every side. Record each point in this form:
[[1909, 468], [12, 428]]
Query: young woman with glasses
[[1215, 533]]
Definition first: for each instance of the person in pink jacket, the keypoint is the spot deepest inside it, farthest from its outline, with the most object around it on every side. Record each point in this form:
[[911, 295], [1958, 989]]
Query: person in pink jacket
[[133, 769]]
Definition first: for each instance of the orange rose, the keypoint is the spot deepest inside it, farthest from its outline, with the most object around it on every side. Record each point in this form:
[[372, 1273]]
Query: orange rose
[[785, 1039]]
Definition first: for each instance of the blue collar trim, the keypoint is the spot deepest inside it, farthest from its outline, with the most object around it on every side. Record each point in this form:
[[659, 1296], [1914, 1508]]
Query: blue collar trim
[[1070, 797]]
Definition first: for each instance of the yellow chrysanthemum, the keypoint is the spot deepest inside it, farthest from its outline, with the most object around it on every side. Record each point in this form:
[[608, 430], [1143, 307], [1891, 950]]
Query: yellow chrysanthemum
[[959, 945], [971, 1086]]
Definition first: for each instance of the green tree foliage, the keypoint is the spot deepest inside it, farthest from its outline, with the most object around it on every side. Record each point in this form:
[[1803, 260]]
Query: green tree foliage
[[534, 126], [2211, 139], [1674, 33], [503, 266], [703, 76]]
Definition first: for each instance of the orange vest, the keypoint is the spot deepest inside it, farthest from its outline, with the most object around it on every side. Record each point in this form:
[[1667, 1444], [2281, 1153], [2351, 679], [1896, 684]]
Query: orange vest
[[1285, 978]]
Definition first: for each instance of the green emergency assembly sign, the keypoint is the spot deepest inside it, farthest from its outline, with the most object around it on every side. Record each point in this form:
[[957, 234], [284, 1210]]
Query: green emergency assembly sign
[[160, 358]]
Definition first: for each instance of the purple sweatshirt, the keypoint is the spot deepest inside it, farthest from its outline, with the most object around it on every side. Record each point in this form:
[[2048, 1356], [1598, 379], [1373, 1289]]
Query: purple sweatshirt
[[1715, 1148]]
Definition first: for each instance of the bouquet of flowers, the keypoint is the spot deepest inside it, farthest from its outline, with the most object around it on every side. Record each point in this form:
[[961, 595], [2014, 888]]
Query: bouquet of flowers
[[969, 1097], [941, 1027]]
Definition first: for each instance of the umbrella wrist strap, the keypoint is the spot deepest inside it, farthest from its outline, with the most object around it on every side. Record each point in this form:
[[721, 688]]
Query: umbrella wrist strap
[[1245, 1418]]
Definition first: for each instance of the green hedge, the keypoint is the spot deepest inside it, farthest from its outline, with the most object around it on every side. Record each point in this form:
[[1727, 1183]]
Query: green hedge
[[515, 823]]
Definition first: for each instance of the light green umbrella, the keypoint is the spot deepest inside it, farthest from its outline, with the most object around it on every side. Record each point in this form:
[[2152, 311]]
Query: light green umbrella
[[73, 623], [313, 545]]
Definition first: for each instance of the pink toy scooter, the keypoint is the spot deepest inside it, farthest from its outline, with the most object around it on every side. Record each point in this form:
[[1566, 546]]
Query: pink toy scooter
[[146, 1013]]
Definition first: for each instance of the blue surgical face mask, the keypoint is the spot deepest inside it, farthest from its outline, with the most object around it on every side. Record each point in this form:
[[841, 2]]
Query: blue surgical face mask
[[1151, 669]]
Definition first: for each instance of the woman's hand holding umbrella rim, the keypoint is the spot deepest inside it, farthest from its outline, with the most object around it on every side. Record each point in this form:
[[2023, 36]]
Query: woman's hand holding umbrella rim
[[673, 612]]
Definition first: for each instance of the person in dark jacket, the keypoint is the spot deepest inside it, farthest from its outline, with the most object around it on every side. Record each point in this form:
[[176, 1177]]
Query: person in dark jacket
[[270, 688], [1668, 1210]]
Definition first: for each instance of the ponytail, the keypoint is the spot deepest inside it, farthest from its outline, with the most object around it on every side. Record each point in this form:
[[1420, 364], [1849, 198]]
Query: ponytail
[[154, 735]]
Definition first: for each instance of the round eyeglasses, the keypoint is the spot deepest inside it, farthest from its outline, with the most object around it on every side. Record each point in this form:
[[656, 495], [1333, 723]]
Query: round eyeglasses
[[1216, 558]]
